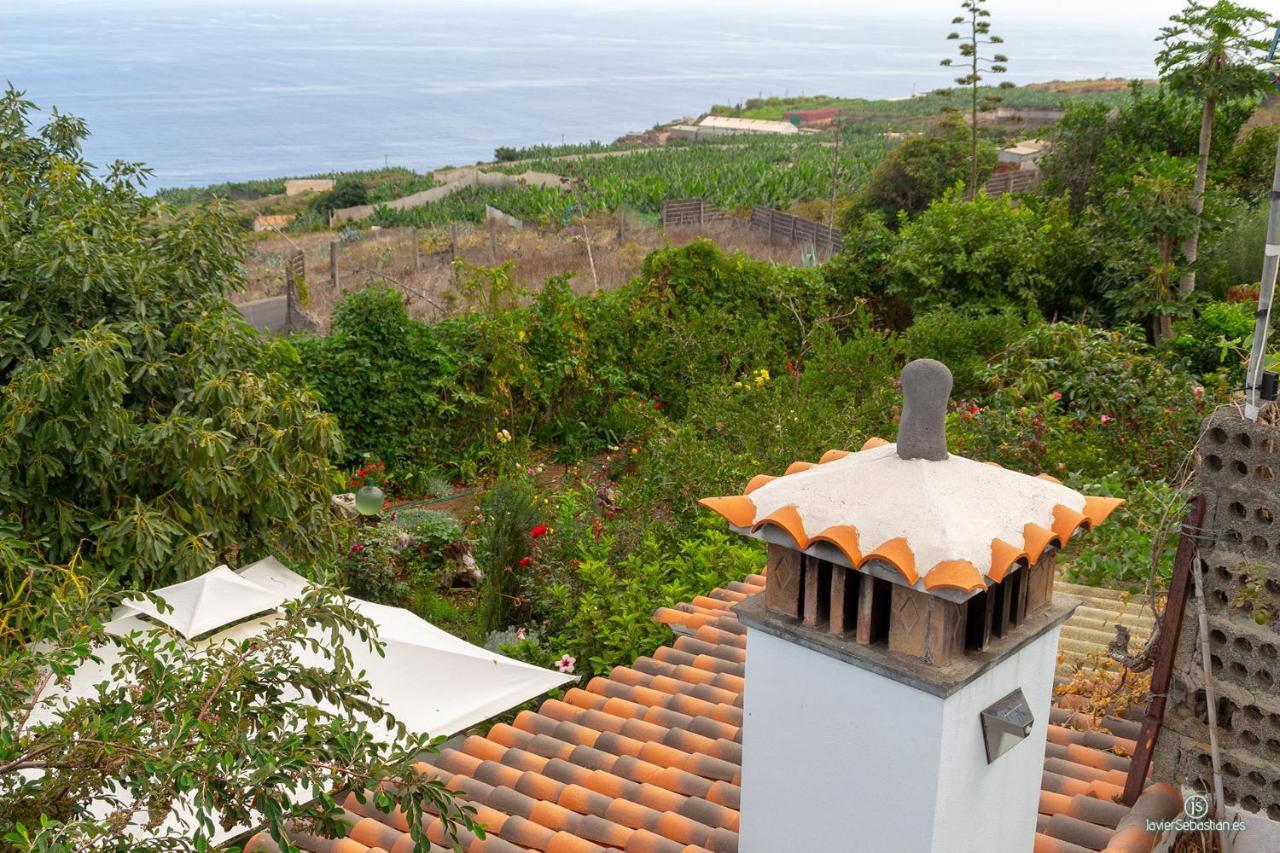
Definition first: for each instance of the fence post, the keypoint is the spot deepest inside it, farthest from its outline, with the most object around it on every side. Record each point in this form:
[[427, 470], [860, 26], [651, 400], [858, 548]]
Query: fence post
[[622, 225], [417, 256], [702, 212], [453, 252], [333, 264], [493, 241]]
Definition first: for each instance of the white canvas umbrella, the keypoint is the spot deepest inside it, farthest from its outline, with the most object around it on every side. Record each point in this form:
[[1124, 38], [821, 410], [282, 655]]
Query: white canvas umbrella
[[428, 679], [217, 598], [431, 681]]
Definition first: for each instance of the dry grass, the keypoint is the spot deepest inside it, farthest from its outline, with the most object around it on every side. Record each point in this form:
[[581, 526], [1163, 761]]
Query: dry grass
[[386, 256]]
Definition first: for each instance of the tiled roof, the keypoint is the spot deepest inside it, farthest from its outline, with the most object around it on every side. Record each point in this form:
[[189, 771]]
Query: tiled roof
[[864, 506], [649, 760]]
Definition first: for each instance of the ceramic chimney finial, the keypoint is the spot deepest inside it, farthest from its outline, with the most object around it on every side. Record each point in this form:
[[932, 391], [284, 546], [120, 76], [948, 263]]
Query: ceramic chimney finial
[[926, 387]]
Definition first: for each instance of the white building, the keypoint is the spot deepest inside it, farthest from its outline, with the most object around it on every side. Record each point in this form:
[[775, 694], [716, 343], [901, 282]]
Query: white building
[[1025, 154]]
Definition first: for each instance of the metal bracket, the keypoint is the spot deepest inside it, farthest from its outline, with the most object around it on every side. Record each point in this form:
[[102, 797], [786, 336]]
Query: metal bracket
[[1005, 723]]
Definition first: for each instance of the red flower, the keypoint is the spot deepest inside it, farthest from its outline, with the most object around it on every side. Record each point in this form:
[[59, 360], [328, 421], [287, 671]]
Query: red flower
[[657, 404], [791, 368], [538, 531], [973, 409], [356, 547], [525, 561]]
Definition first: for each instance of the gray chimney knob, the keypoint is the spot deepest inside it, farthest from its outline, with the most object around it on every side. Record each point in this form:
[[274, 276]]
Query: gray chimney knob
[[926, 387]]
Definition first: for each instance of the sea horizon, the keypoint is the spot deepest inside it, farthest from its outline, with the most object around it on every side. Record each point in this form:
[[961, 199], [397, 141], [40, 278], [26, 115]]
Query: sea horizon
[[205, 92]]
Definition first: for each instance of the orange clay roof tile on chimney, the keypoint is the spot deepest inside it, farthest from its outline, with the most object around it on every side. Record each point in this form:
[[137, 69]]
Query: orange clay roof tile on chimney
[[1036, 539], [565, 778], [955, 574], [844, 537], [1003, 558], [897, 553], [1066, 521], [850, 499], [1098, 508], [789, 520]]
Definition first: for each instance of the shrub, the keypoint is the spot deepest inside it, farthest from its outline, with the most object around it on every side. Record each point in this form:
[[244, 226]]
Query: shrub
[[762, 422], [509, 519], [921, 169], [1118, 554], [346, 192], [393, 382], [1251, 164], [963, 340], [1232, 253], [603, 616], [1216, 339], [986, 253], [144, 427], [1069, 399]]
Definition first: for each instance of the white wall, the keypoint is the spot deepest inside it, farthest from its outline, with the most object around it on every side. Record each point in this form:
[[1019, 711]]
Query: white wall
[[837, 758], [995, 804]]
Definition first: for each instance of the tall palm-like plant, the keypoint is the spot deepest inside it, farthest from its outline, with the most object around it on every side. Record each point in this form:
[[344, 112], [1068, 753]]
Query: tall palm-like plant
[[972, 43], [1211, 53]]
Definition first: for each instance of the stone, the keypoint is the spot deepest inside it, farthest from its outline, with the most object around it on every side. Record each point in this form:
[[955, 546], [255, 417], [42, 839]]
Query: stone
[[344, 505]]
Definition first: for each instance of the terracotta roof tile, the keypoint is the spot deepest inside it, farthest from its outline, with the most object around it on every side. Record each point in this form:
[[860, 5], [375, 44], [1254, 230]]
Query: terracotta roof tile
[[1006, 516], [648, 760]]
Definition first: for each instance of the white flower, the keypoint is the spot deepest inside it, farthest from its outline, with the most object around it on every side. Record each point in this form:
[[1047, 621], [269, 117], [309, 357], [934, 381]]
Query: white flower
[[565, 664]]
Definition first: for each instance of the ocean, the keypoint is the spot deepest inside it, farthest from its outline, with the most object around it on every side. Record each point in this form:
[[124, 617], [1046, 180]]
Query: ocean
[[205, 92]]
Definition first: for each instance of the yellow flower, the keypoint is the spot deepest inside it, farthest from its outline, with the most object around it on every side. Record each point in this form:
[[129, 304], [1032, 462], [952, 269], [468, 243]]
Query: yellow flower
[[521, 335], [503, 436], [634, 451], [762, 376]]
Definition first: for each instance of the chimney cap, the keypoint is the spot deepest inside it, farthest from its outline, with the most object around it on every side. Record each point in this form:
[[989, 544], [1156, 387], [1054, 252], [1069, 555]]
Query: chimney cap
[[943, 523]]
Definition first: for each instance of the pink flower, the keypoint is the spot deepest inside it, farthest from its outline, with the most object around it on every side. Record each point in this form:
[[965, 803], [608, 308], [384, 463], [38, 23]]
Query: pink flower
[[1105, 419], [1197, 391], [1057, 395], [356, 547], [538, 531], [565, 664], [525, 561], [522, 634]]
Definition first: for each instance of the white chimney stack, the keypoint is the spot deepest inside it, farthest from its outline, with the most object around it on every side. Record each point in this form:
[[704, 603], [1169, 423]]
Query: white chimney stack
[[900, 663]]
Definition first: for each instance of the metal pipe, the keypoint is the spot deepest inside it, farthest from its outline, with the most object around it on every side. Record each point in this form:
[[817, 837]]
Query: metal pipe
[[1211, 701], [1266, 289]]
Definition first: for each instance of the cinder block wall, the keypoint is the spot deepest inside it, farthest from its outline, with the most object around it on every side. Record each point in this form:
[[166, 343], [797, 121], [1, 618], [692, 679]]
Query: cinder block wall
[[1237, 473]]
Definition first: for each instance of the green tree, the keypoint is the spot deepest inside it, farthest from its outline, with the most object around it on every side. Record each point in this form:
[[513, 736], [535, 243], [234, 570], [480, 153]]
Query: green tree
[[1211, 53], [919, 171], [1141, 223], [146, 432], [974, 41], [1252, 161], [988, 253], [143, 424], [1073, 161], [184, 738], [346, 192]]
